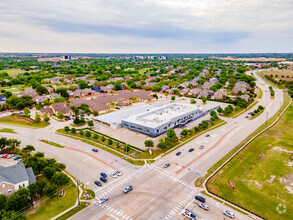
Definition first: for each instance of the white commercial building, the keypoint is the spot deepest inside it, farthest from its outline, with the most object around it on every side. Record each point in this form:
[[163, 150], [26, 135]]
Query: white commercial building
[[157, 120]]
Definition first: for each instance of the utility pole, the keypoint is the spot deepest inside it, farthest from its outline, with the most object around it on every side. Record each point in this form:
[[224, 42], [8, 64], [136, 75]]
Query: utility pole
[[77, 185]]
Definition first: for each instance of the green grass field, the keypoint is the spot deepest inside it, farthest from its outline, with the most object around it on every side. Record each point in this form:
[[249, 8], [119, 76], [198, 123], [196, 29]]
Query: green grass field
[[12, 72], [258, 172], [7, 130], [57, 205], [13, 121], [15, 88]]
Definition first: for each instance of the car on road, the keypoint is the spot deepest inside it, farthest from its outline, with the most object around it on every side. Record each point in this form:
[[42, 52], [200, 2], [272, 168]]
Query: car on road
[[229, 214], [127, 189], [114, 175], [200, 198], [5, 156], [10, 156], [103, 179], [191, 149], [95, 150], [246, 116], [188, 214], [17, 157], [207, 135], [201, 147], [98, 183], [166, 165], [104, 174], [86, 119], [203, 206], [118, 173], [178, 153], [102, 200]]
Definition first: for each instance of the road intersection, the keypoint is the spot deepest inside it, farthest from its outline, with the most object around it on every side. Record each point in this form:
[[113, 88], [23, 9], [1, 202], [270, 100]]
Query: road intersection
[[159, 193]]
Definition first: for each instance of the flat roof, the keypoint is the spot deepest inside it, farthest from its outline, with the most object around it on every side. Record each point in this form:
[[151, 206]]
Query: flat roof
[[116, 117], [162, 115]]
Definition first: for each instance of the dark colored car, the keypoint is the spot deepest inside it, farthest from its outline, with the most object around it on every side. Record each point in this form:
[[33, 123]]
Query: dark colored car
[[200, 198], [95, 150], [178, 153], [166, 165], [191, 149], [104, 175], [98, 183], [103, 179]]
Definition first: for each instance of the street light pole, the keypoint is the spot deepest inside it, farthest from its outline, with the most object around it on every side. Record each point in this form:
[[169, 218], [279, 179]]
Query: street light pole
[[77, 185]]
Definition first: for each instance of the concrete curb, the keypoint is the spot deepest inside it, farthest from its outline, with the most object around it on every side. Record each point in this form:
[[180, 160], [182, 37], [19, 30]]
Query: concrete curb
[[219, 168]]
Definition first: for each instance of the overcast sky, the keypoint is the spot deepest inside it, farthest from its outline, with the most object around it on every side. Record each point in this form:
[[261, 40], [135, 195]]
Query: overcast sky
[[146, 26]]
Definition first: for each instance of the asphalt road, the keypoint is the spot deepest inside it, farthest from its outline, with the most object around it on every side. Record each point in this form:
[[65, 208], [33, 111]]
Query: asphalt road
[[158, 193]]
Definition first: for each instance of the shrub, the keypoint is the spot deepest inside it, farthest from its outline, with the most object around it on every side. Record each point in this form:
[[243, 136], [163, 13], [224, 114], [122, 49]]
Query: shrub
[[73, 130], [96, 136], [81, 132], [66, 129], [88, 134]]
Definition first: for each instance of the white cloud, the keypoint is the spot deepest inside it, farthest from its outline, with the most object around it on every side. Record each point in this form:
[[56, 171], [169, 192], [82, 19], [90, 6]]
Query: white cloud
[[146, 26]]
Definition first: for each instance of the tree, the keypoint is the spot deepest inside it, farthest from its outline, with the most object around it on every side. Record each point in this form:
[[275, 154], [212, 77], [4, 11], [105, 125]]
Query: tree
[[59, 99], [76, 121], [49, 172], [148, 143], [60, 179], [110, 142], [196, 129], [184, 132], [19, 200], [28, 149], [37, 118], [50, 190], [6, 215], [62, 92], [66, 129], [60, 115], [205, 124], [3, 143], [88, 134], [213, 113], [81, 132], [95, 113], [90, 123], [204, 99], [103, 138], [220, 110], [46, 118], [26, 112], [117, 86], [96, 136], [41, 90], [155, 96], [83, 85], [173, 98], [73, 130], [2, 201], [126, 148], [192, 101], [161, 144], [13, 143]]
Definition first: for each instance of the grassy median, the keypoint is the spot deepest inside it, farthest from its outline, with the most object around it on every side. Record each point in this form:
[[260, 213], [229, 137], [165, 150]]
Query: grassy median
[[261, 172]]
